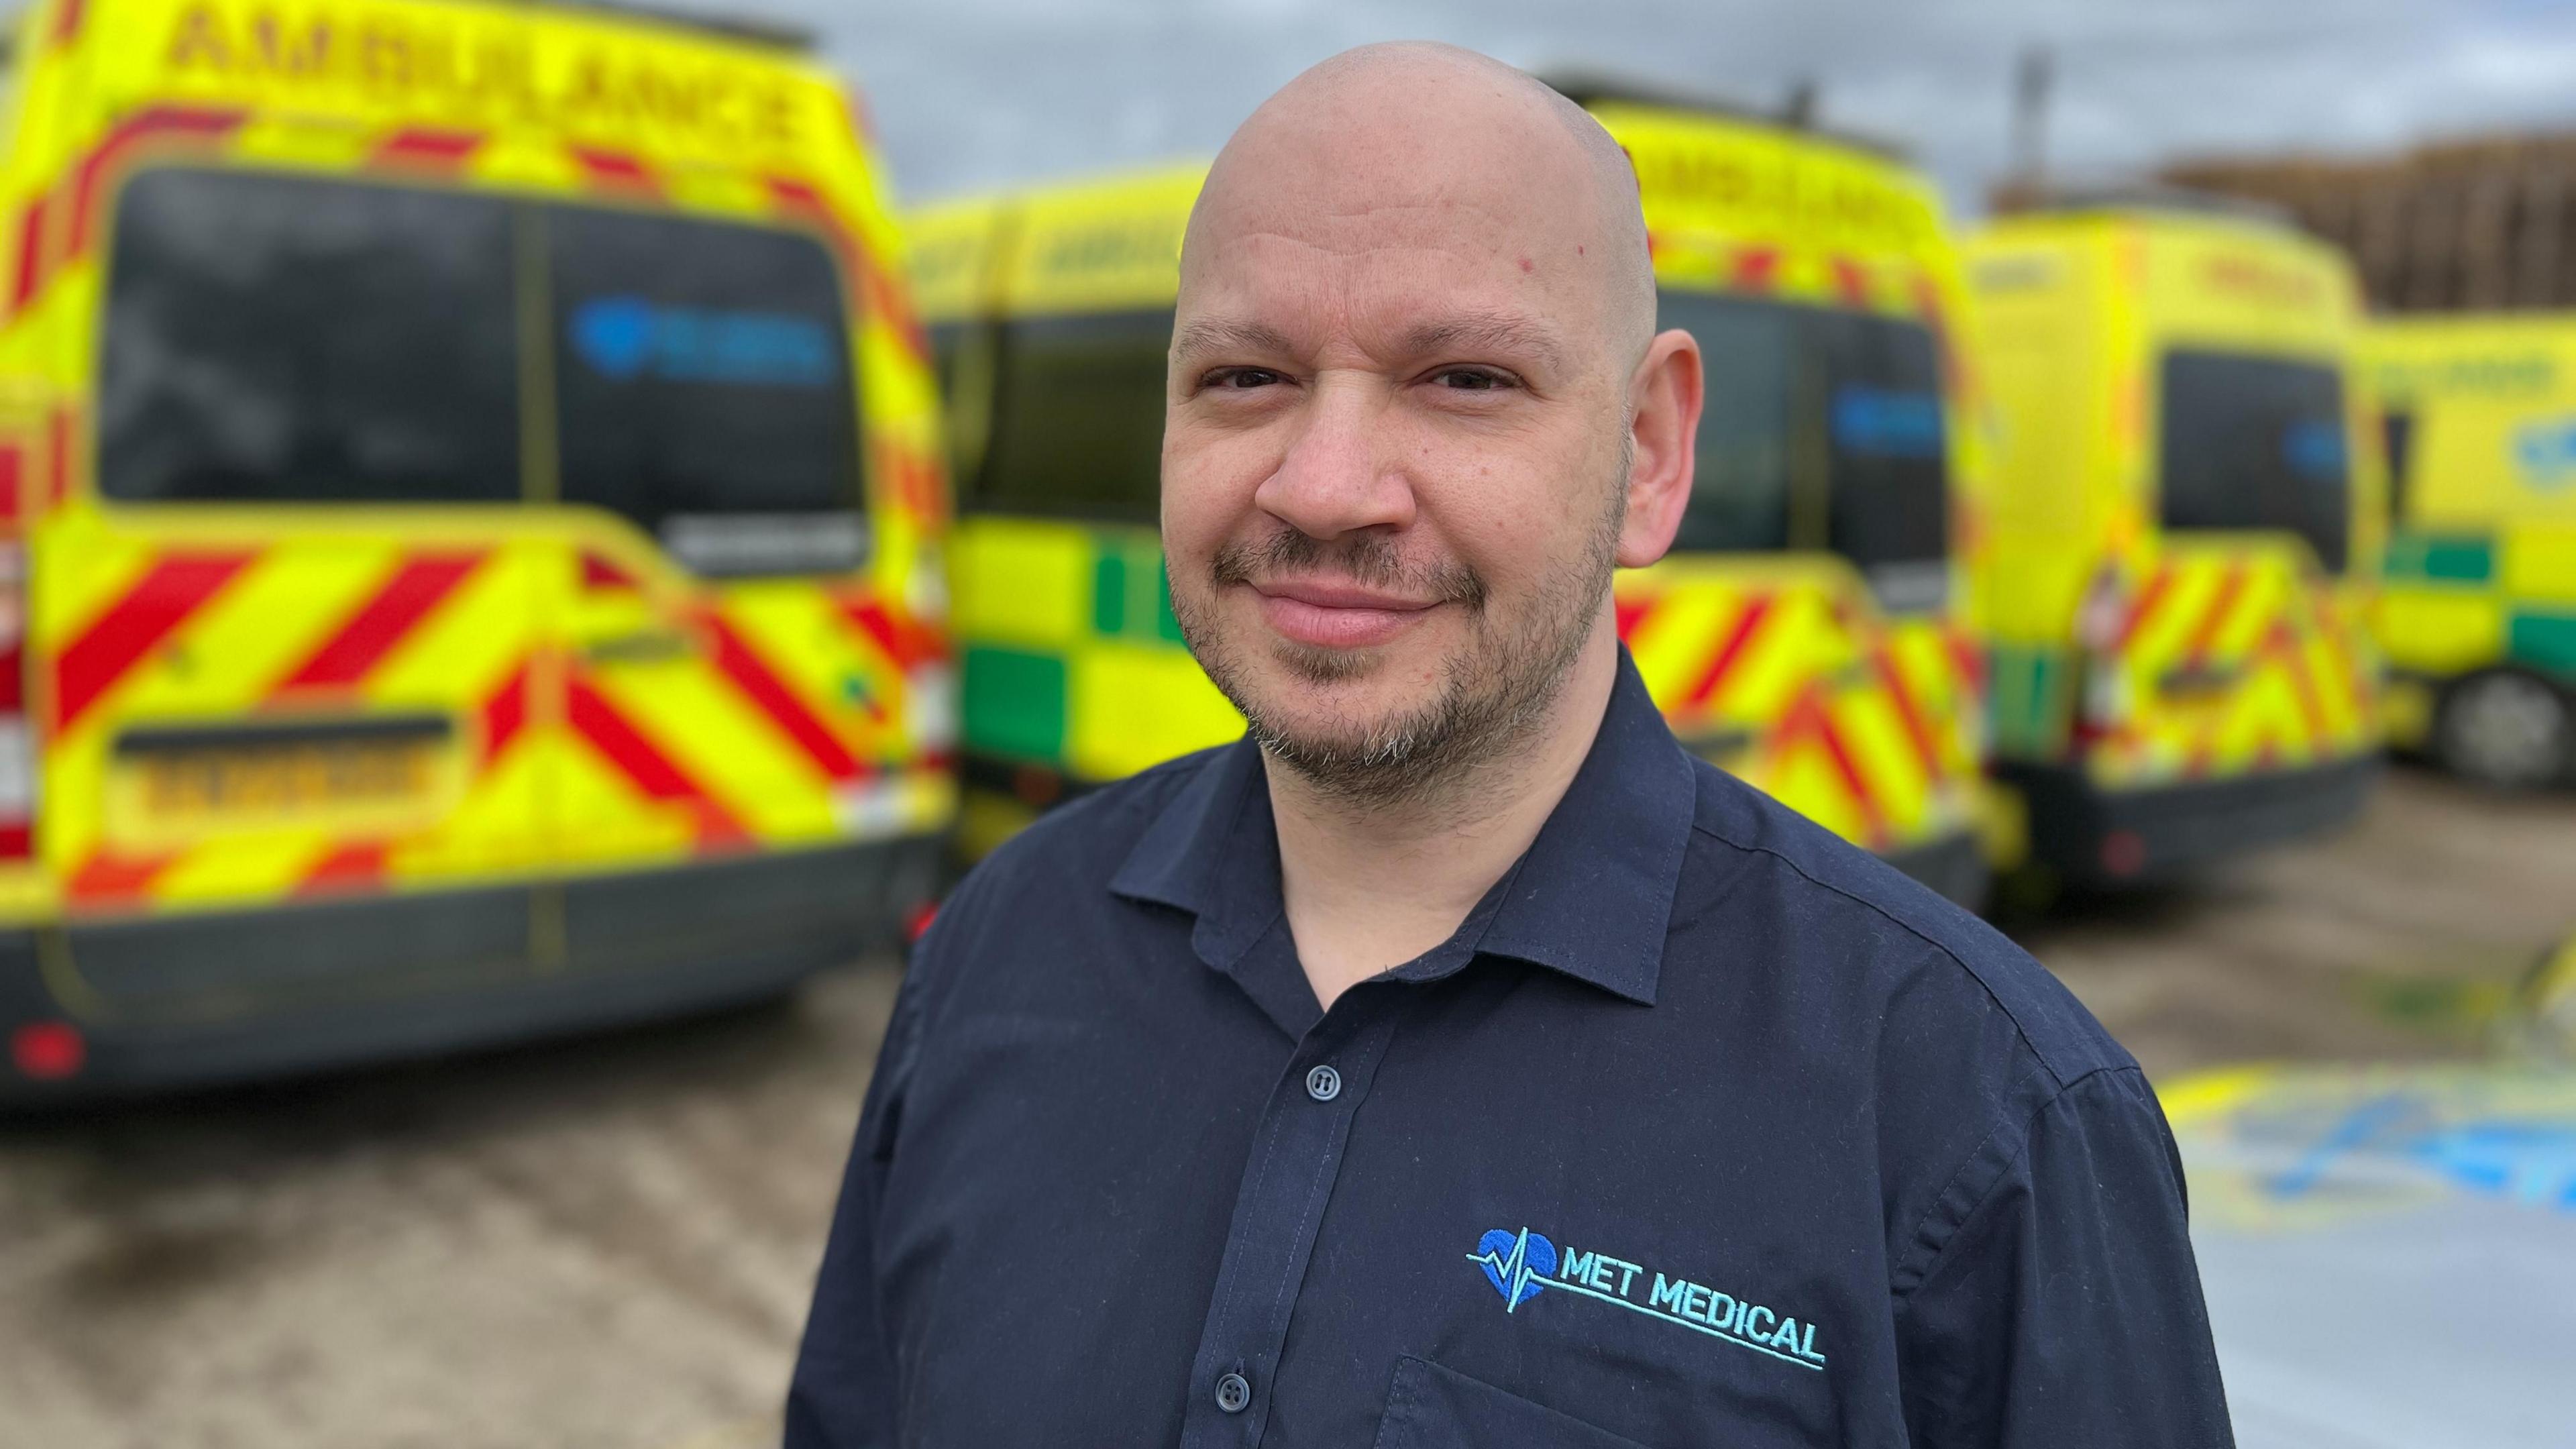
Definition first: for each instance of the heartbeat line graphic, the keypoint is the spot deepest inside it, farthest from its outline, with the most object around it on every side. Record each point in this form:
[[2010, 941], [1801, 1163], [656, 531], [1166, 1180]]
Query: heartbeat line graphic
[[1512, 1272]]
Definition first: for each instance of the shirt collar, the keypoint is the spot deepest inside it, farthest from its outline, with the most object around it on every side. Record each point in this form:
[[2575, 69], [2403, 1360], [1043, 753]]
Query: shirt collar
[[1591, 898]]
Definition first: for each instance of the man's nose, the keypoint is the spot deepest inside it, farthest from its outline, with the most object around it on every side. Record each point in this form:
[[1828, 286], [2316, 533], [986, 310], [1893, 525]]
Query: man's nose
[[1341, 473]]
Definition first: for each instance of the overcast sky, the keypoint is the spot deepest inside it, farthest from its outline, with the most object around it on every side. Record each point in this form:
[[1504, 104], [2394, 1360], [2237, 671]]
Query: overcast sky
[[975, 93]]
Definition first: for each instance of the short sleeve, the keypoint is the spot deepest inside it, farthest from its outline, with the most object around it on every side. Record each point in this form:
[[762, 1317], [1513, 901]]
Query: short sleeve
[[2066, 1308]]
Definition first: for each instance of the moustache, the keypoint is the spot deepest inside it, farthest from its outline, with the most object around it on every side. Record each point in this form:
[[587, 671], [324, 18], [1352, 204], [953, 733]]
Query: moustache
[[1369, 560]]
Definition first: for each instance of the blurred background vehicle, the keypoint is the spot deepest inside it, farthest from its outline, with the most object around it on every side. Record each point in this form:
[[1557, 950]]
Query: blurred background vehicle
[[1049, 313], [2462, 248], [470, 534], [1808, 632], [2185, 536], [2479, 612]]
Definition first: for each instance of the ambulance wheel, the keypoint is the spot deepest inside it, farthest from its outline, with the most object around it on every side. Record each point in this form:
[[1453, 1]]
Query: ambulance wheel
[[2507, 730]]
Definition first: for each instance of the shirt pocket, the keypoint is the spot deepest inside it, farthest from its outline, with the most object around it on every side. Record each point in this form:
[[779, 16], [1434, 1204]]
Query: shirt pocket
[[1430, 1407]]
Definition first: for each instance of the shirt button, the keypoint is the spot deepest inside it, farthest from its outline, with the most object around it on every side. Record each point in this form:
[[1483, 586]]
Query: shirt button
[[1233, 1392], [1323, 1084]]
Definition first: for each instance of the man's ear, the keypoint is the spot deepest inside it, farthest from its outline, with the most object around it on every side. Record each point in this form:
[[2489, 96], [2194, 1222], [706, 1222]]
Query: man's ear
[[1663, 422]]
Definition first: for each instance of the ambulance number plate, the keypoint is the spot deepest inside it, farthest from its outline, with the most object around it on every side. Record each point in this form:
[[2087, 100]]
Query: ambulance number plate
[[191, 775]]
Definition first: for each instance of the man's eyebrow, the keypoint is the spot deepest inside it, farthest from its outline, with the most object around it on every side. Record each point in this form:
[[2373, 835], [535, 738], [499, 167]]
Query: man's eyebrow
[[1490, 333], [1215, 334]]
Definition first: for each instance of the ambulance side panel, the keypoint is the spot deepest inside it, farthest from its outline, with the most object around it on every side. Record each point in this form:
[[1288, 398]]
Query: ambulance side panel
[[2482, 561], [2062, 434], [1074, 670]]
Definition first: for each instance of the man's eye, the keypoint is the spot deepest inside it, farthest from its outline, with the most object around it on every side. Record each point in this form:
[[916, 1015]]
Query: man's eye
[[1472, 379], [1242, 379]]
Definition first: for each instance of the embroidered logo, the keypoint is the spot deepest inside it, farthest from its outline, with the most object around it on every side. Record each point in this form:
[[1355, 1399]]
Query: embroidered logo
[[1521, 1264], [1516, 1264]]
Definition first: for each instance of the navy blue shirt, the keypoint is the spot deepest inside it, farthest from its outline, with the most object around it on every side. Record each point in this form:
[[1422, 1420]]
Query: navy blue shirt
[[1705, 1128]]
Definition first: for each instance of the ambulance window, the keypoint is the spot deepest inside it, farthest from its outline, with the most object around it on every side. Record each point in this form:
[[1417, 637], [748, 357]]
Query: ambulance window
[[965, 400], [1740, 487], [1077, 417], [1889, 490], [702, 369], [2397, 435], [276, 339], [947, 342], [2256, 443]]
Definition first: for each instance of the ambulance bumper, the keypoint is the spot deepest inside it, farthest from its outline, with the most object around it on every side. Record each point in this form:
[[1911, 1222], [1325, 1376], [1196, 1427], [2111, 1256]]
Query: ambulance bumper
[[120, 1007], [2094, 836]]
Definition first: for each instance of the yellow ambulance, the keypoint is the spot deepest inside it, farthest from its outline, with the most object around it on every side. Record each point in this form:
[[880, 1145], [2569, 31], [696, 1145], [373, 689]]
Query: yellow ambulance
[[1808, 632], [470, 503], [2478, 614], [2183, 537]]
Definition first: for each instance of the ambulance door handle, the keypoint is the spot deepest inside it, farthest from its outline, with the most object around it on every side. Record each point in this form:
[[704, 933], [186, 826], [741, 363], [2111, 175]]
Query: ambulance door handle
[[643, 646]]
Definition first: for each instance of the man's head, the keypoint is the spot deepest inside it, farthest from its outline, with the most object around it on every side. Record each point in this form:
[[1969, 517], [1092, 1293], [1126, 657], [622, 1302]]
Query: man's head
[[1417, 412]]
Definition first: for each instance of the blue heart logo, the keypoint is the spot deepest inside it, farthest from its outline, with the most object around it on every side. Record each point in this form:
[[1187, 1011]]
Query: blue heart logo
[[615, 335], [1517, 1264]]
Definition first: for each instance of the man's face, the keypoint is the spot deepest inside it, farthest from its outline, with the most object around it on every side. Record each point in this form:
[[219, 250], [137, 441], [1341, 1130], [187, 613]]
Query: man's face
[[1392, 474]]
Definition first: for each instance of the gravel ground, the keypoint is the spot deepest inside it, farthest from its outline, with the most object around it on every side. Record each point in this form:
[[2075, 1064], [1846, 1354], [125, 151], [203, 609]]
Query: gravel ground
[[601, 1243], [608, 1242], [2400, 940]]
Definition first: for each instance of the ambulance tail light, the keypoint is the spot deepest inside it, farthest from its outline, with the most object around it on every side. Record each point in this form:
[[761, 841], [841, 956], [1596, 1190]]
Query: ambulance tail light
[[17, 740], [2101, 620], [2098, 619]]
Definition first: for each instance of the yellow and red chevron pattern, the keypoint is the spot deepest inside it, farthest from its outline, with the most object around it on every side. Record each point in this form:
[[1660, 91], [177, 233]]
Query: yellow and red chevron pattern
[[553, 759], [1783, 671], [231, 630], [2231, 656]]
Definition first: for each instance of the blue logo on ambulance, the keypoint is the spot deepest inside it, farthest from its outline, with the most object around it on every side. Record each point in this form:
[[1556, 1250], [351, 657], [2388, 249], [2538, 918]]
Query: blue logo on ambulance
[[2544, 453]]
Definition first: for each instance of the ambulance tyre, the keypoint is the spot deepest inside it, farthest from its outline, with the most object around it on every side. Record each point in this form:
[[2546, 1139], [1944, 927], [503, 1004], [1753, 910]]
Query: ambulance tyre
[[2507, 730]]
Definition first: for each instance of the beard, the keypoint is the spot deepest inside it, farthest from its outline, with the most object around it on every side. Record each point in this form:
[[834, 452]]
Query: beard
[[1490, 696]]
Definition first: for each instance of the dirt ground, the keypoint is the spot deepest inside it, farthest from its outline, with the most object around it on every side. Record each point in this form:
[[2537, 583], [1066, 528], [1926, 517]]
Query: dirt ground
[[609, 1242]]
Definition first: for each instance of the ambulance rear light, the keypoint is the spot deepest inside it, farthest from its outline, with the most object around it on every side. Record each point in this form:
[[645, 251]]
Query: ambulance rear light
[[2124, 854], [48, 1051], [17, 790], [17, 741], [2103, 702]]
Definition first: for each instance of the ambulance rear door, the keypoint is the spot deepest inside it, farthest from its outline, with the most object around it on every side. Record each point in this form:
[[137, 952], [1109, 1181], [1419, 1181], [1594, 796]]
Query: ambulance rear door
[[734, 676], [290, 650]]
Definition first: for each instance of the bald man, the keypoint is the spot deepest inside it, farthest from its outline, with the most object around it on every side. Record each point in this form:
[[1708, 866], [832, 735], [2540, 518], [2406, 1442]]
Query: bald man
[[1456, 1061]]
